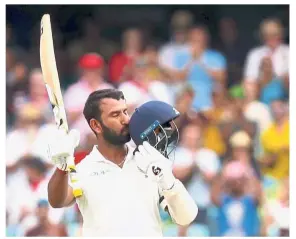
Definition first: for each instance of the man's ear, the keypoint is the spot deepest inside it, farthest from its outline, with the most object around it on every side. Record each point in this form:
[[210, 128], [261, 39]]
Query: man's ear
[[95, 126]]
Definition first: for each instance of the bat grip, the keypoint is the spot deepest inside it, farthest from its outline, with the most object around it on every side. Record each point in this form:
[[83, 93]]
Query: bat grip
[[77, 191]]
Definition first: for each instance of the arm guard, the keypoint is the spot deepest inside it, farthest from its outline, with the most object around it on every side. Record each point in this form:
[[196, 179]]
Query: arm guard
[[180, 204]]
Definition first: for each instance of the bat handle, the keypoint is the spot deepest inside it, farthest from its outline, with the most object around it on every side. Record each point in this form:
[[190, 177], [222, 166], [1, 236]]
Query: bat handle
[[77, 191]]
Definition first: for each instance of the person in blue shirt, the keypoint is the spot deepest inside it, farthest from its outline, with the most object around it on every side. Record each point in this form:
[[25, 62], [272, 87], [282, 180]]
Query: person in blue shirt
[[237, 194], [203, 68]]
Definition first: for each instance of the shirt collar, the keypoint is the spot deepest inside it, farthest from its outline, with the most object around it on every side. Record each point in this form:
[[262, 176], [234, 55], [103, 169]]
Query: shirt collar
[[98, 157]]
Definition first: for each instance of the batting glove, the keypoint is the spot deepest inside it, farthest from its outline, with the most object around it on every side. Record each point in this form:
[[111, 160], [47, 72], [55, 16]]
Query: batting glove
[[155, 166], [61, 151]]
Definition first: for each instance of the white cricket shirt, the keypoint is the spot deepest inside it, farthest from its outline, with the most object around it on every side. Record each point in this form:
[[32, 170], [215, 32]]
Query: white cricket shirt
[[117, 201]]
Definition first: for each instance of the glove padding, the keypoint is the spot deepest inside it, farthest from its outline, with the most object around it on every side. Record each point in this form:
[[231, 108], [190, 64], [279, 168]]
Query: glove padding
[[61, 151], [156, 167]]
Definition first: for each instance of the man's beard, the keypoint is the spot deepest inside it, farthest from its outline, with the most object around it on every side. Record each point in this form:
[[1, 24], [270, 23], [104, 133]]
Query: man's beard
[[113, 138]]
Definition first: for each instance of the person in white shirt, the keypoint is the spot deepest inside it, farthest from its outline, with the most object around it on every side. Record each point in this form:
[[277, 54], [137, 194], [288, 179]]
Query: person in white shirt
[[272, 33], [122, 187]]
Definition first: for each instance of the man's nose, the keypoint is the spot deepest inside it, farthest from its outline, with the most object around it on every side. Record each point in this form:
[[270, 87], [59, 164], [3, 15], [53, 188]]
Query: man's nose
[[125, 119]]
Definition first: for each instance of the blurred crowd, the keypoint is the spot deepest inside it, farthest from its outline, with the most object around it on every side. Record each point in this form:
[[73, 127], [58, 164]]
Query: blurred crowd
[[233, 153]]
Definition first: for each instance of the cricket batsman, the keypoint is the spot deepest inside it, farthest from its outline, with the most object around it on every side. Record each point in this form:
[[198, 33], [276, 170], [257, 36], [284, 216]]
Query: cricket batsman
[[123, 187]]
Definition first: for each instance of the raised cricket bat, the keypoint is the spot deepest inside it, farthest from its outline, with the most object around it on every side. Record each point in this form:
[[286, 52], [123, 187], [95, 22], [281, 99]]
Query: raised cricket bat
[[52, 83]]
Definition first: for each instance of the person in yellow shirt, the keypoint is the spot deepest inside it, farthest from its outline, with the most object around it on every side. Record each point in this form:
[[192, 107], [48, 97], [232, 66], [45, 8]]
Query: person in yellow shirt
[[275, 142]]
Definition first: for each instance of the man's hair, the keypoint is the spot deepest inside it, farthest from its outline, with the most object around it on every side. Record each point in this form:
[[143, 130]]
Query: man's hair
[[92, 106]]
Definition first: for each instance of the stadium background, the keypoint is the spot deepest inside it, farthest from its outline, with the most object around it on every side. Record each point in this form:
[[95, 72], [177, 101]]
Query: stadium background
[[85, 29]]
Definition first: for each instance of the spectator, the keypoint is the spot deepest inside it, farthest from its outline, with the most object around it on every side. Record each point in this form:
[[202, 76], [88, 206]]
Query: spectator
[[29, 136], [234, 120], [16, 70], [276, 143], [25, 184], [121, 64], [204, 68], [142, 88], [37, 95], [181, 21], [254, 111], [19, 79], [232, 48], [196, 166], [44, 226], [241, 150], [237, 197], [91, 66], [272, 34], [271, 86], [19, 141]]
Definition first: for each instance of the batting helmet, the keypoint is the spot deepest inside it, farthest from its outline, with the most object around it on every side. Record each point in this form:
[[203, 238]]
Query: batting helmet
[[154, 122]]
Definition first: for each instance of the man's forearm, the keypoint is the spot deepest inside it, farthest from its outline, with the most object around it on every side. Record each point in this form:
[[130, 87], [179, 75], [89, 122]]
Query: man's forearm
[[181, 206], [58, 189]]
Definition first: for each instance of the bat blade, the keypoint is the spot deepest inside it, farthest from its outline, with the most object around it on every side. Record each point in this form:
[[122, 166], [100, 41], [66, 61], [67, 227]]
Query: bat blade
[[52, 83], [50, 72]]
